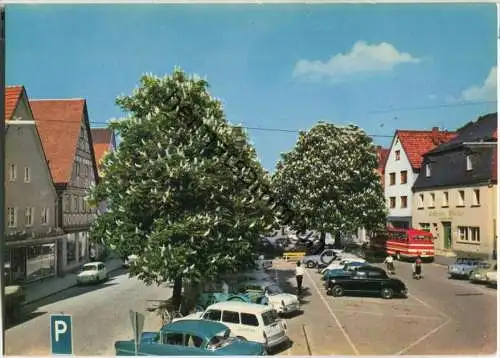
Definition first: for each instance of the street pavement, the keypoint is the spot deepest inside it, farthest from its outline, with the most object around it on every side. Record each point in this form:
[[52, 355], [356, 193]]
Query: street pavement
[[440, 316], [100, 316]]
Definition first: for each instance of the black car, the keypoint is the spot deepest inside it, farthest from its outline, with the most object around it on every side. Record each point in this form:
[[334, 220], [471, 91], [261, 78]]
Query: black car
[[367, 279]]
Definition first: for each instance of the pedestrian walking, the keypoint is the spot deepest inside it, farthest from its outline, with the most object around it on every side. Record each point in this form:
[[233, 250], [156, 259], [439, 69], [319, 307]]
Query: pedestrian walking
[[389, 261], [299, 275], [417, 268]]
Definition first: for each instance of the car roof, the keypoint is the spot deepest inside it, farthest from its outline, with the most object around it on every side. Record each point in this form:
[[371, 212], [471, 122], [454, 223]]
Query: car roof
[[93, 263], [258, 282], [197, 327], [371, 268], [240, 307]]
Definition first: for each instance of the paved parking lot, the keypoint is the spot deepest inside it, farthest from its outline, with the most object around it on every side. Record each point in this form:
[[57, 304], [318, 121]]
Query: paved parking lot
[[373, 326]]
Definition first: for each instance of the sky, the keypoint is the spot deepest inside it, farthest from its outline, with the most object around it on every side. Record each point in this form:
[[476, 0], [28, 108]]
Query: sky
[[278, 67]]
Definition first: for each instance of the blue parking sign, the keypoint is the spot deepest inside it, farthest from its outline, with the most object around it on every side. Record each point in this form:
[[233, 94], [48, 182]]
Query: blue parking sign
[[61, 339]]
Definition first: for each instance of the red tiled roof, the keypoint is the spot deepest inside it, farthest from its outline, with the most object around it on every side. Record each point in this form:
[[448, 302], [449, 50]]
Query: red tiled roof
[[59, 123], [102, 139], [417, 143], [12, 96]]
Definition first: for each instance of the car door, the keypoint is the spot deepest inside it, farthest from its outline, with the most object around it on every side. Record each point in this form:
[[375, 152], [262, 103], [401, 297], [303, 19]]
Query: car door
[[374, 281], [356, 282]]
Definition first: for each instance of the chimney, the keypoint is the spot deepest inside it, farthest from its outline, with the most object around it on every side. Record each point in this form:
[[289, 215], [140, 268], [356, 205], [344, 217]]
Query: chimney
[[435, 129], [435, 136]]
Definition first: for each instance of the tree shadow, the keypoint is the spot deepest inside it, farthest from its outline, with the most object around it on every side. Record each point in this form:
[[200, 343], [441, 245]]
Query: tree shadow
[[286, 277], [23, 317]]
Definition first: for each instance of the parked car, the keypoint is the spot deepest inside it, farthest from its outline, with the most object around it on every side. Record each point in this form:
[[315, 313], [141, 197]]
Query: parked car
[[367, 279], [92, 272], [261, 291], [346, 270], [478, 275], [339, 264], [247, 276], [253, 322], [463, 267], [492, 275], [129, 260], [190, 338], [325, 257]]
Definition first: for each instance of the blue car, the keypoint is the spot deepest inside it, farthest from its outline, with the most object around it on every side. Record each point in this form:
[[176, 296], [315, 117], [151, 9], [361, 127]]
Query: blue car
[[345, 271], [190, 338]]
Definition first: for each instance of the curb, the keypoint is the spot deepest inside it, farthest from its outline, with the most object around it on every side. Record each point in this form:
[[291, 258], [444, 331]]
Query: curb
[[25, 303]]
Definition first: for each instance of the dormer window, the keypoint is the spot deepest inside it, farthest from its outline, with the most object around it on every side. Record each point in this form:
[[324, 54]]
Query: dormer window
[[469, 162], [427, 170], [397, 154]]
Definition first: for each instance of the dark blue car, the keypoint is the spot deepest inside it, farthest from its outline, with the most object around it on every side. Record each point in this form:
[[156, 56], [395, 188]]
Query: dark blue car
[[348, 267]]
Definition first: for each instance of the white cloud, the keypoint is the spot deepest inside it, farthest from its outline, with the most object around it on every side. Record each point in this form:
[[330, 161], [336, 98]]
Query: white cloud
[[363, 58], [486, 92]]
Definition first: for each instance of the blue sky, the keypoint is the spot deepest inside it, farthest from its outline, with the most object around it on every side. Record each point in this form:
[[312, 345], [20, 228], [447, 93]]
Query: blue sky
[[274, 66]]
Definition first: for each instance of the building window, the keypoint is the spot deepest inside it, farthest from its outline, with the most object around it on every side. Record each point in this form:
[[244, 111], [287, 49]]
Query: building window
[[74, 204], [477, 197], [66, 203], [392, 202], [28, 216], [469, 233], [392, 178], [427, 170], [77, 168], [44, 217], [404, 202], [461, 198], [81, 206], [12, 172], [11, 217], [469, 162], [432, 200], [71, 248], [86, 170], [445, 200], [27, 175], [397, 154], [425, 227], [404, 177], [420, 201]]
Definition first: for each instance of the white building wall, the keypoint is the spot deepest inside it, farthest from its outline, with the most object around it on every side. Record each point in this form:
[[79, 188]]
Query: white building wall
[[398, 190]]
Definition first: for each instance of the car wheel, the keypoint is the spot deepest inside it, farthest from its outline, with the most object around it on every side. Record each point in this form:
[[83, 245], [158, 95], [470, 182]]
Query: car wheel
[[337, 291], [450, 276], [471, 276], [310, 264], [387, 293]]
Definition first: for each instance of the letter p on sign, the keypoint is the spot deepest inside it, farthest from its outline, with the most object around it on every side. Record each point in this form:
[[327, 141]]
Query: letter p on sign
[[61, 338]]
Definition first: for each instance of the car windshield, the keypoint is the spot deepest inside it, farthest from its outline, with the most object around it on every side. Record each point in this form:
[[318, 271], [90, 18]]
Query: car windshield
[[220, 340], [89, 268], [270, 317], [274, 289]]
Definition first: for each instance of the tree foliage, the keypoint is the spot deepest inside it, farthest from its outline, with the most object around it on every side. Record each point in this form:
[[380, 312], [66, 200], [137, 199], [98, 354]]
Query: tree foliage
[[329, 183], [184, 190]]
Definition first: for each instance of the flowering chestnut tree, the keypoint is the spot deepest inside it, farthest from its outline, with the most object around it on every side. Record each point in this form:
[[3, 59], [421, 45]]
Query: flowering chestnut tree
[[184, 190], [328, 182]]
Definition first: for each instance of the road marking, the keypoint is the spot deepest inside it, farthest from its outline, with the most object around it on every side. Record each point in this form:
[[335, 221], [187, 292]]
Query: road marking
[[308, 346], [429, 306], [385, 314], [425, 336], [346, 336]]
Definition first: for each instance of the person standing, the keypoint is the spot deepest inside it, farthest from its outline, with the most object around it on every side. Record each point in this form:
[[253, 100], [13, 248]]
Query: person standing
[[299, 275], [418, 267]]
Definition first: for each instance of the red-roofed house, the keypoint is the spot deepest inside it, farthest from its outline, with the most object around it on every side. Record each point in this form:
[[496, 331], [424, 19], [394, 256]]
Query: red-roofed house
[[104, 141], [31, 227], [65, 132], [382, 154], [402, 168]]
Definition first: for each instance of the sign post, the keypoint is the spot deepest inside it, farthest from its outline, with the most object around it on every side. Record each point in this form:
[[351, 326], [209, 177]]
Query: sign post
[[137, 320], [61, 337]]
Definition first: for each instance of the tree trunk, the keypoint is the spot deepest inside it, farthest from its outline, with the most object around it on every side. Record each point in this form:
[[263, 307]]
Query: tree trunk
[[177, 292], [338, 240]]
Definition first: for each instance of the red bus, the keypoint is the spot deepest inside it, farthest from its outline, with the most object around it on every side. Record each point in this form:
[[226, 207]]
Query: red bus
[[404, 243]]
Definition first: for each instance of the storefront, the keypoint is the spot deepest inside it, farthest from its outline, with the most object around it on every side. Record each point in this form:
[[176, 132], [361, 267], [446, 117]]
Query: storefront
[[74, 250], [30, 260]]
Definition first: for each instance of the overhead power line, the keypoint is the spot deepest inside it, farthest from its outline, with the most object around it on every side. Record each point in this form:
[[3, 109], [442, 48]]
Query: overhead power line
[[406, 109]]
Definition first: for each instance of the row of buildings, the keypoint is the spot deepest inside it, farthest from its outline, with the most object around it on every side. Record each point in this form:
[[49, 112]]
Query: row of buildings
[[51, 161], [446, 183]]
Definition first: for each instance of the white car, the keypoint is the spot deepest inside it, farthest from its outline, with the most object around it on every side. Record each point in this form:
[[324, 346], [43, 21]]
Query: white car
[[492, 276], [130, 260], [92, 272], [340, 264], [282, 302], [257, 323]]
